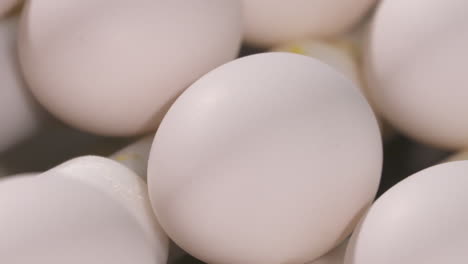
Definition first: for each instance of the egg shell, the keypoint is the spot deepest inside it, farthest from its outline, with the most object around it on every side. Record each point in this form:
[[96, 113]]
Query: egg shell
[[272, 22], [419, 220], [55, 220], [416, 69], [124, 186], [113, 67], [20, 116], [248, 162]]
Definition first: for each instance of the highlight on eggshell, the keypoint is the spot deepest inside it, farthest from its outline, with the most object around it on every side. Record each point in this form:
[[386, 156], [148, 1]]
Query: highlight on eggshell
[[419, 220], [248, 153], [271, 22], [114, 67], [21, 116], [415, 66], [56, 220]]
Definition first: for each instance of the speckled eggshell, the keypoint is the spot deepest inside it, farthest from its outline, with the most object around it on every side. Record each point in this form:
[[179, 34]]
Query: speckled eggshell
[[416, 67], [420, 220], [113, 67], [272, 22], [271, 158]]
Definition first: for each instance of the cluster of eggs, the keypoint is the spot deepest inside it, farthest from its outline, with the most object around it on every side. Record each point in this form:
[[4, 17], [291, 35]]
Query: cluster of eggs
[[273, 157]]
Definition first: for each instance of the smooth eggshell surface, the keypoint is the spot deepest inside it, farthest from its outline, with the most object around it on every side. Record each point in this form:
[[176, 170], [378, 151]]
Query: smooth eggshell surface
[[113, 67], [55, 220], [416, 66], [420, 220], [123, 185], [272, 22], [270, 158], [19, 117]]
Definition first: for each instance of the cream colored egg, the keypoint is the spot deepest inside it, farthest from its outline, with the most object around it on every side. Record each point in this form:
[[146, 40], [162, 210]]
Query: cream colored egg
[[55, 220], [420, 220], [113, 67], [247, 164], [416, 67], [272, 22], [19, 115]]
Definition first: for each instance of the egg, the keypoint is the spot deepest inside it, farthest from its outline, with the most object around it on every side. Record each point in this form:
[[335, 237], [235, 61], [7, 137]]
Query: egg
[[56, 220], [113, 67], [121, 183], [268, 23], [415, 66], [247, 164], [20, 116], [124, 186], [420, 220], [336, 256], [7, 5]]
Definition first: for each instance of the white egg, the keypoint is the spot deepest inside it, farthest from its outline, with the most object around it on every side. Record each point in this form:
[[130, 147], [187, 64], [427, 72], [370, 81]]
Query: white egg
[[20, 116], [247, 164], [55, 220], [420, 220], [123, 185], [113, 67], [118, 182], [272, 22], [416, 66]]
